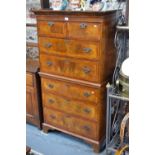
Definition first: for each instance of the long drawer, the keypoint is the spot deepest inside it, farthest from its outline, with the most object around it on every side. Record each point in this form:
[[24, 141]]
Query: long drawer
[[72, 90], [78, 108], [71, 48], [70, 123], [83, 70]]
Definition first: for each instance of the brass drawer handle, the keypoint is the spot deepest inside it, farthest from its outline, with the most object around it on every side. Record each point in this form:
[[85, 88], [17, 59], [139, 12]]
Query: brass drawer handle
[[67, 100], [50, 86], [86, 70], [51, 101], [50, 23], [48, 45], [87, 94], [49, 63], [68, 116], [86, 110], [53, 117], [83, 25], [87, 50], [66, 40], [67, 85], [85, 127], [67, 61]]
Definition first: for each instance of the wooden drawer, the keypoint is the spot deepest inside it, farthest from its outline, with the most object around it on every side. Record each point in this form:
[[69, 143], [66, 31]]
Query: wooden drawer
[[29, 79], [70, 123], [30, 99], [71, 106], [83, 70], [52, 29], [86, 31], [73, 91], [72, 48]]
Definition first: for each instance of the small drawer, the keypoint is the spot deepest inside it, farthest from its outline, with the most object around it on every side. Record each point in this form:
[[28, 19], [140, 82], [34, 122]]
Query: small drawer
[[71, 48], [71, 106], [52, 28], [73, 91], [70, 123], [29, 79], [83, 70], [84, 30]]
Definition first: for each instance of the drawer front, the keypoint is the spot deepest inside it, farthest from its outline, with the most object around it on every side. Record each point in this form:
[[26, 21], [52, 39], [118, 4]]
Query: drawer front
[[70, 123], [86, 31], [30, 100], [73, 91], [52, 29], [84, 70], [29, 79], [72, 48], [78, 108]]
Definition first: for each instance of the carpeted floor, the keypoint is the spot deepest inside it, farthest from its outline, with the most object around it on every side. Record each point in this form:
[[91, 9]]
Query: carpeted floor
[[56, 143]]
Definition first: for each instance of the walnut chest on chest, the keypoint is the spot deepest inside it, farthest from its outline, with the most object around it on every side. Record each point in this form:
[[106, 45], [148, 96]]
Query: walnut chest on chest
[[77, 58]]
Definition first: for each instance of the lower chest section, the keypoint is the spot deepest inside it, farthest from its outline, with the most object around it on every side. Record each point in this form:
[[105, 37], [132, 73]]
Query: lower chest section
[[73, 107]]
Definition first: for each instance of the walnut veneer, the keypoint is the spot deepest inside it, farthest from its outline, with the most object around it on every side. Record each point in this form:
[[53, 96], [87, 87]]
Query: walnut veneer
[[77, 58]]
